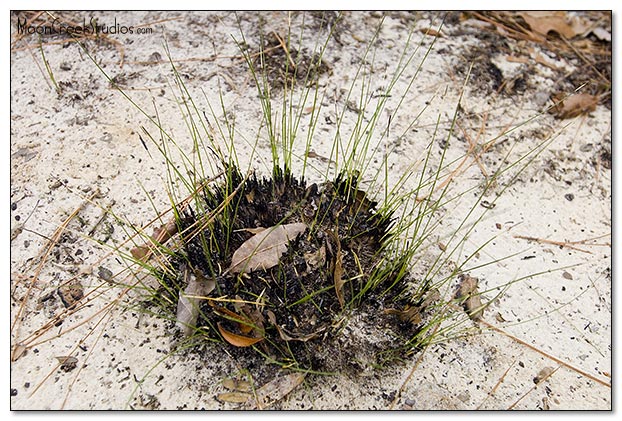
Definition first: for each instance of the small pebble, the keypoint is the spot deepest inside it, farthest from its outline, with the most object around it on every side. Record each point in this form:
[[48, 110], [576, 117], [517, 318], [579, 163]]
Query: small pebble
[[104, 273]]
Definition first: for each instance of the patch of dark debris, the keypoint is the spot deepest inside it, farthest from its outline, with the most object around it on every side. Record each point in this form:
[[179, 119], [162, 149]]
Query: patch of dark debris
[[283, 65], [332, 302]]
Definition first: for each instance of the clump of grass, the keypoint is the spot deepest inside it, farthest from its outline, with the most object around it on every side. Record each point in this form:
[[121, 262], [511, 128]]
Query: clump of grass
[[340, 295]]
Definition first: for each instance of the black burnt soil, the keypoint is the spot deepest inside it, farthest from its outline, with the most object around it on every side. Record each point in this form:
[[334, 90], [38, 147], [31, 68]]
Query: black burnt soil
[[290, 314]]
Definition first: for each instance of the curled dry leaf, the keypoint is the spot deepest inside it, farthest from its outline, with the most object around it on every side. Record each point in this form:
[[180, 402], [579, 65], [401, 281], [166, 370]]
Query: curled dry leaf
[[67, 363], [160, 235], [274, 391], [188, 303], [470, 298], [264, 250], [237, 340], [430, 32], [561, 22], [574, 106]]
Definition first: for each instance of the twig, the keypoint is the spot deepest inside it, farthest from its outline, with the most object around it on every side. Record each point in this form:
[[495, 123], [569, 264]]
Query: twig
[[551, 357], [284, 46], [474, 145], [496, 386], [568, 244], [585, 60]]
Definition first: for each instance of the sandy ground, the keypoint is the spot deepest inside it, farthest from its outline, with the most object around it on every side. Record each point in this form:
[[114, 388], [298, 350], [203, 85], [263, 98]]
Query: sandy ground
[[67, 147]]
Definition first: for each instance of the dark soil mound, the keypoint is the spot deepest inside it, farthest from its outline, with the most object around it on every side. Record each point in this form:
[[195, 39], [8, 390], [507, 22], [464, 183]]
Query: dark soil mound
[[333, 301]]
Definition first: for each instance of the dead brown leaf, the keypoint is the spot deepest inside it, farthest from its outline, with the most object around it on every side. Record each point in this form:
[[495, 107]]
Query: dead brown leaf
[[470, 298], [264, 250], [430, 32], [237, 340], [543, 22], [67, 363], [160, 235], [234, 397], [574, 106], [274, 391], [188, 304]]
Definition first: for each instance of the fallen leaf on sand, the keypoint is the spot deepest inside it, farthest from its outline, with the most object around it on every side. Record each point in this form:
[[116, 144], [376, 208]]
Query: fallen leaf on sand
[[237, 340], [263, 250], [233, 397], [160, 235], [188, 303], [67, 363], [274, 391], [430, 32], [561, 22], [469, 297], [574, 106], [602, 34]]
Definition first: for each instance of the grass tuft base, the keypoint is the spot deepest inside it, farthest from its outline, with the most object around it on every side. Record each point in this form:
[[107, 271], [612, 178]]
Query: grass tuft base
[[334, 302]]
